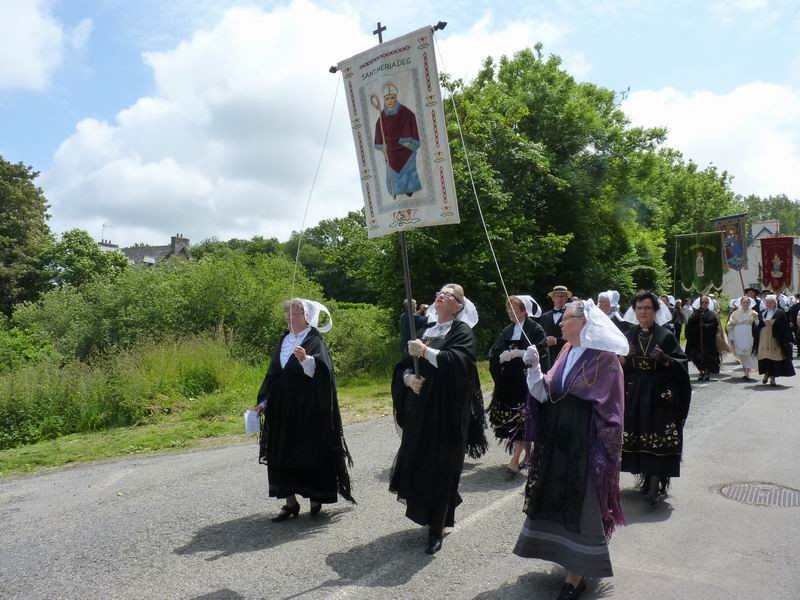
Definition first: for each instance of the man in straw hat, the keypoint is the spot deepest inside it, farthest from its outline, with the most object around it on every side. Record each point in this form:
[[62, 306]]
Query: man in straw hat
[[551, 320]]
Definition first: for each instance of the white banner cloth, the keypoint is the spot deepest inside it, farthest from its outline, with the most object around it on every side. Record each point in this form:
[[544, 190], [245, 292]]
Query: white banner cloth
[[400, 134]]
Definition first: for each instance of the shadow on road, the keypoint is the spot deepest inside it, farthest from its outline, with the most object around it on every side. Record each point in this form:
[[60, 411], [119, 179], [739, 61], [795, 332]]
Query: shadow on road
[[223, 594], [388, 561], [490, 477], [638, 510], [544, 585], [256, 532], [764, 387]]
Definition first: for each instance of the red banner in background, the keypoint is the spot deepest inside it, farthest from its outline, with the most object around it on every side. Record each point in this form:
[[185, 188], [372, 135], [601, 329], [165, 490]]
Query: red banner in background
[[776, 262]]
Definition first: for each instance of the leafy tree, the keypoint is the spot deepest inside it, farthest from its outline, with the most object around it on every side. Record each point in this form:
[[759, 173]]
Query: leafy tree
[[779, 207], [77, 259], [24, 235], [254, 247]]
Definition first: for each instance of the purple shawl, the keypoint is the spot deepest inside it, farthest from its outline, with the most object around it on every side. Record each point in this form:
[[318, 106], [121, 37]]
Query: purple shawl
[[596, 377]]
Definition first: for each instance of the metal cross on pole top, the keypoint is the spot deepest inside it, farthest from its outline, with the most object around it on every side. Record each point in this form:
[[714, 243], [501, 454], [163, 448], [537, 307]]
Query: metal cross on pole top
[[379, 32]]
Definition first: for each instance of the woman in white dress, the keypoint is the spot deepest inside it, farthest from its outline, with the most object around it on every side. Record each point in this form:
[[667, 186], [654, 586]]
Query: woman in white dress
[[741, 327]]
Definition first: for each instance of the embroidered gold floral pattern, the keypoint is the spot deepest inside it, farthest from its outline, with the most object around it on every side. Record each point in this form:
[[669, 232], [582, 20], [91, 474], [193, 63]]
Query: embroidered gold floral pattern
[[657, 443]]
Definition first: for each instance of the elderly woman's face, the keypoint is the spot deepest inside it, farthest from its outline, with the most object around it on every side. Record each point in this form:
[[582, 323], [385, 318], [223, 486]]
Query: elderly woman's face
[[571, 326], [771, 303], [516, 313], [604, 304], [296, 319], [745, 303], [446, 304], [645, 313], [705, 303]]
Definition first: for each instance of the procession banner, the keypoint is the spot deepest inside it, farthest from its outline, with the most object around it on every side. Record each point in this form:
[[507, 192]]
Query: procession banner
[[776, 262], [733, 240], [399, 131], [700, 260]]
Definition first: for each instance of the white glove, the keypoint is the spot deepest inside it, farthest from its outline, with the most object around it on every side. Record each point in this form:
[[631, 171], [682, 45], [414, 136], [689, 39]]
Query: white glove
[[505, 356], [416, 348], [531, 357], [414, 382]]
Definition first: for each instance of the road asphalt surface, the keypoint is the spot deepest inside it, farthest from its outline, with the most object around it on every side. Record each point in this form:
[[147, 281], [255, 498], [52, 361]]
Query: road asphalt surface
[[197, 525]]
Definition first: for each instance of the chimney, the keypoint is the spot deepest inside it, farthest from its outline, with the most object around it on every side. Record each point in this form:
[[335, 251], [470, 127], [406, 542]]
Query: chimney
[[178, 243]]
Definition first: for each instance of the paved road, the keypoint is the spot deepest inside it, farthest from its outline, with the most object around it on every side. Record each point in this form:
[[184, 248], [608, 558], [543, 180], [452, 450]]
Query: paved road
[[196, 525]]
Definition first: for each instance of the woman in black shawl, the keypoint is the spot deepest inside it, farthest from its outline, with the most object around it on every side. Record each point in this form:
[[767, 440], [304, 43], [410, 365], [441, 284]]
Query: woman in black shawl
[[701, 339], [657, 396], [302, 440], [773, 342], [441, 415], [508, 372]]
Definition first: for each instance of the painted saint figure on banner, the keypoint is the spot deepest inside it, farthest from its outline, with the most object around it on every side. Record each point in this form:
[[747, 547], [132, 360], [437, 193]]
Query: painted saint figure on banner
[[396, 135], [733, 249], [699, 264], [776, 267]]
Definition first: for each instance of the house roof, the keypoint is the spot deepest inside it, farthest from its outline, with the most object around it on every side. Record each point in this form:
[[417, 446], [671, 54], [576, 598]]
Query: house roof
[[763, 231], [137, 254]]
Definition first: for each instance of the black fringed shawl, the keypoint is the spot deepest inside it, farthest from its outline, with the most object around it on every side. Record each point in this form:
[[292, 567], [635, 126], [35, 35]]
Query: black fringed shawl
[[323, 421]]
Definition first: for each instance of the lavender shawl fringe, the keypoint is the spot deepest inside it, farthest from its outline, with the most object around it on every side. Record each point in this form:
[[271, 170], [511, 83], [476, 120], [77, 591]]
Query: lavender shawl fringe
[[597, 378]]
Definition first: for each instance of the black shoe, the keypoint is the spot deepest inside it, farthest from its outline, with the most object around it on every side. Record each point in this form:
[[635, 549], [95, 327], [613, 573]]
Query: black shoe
[[772, 382], [653, 495], [701, 377], [434, 543], [315, 508], [765, 379], [286, 512], [570, 592]]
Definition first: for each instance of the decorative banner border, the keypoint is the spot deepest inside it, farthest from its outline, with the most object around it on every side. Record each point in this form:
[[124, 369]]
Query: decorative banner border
[[700, 262], [733, 240], [400, 136], [776, 262]]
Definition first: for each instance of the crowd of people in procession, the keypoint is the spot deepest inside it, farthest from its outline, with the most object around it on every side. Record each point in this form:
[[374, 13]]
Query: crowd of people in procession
[[582, 392]]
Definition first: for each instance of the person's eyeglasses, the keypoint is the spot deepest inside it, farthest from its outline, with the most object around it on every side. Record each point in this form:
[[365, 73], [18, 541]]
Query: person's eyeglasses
[[644, 309], [568, 317], [445, 294]]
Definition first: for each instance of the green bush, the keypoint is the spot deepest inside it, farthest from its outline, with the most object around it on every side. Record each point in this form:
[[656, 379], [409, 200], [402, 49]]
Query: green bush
[[233, 294], [18, 347], [49, 399], [361, 340]]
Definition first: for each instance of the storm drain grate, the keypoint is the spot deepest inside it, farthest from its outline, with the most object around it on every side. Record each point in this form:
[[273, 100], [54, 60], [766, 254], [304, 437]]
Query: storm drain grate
[[762, 494]]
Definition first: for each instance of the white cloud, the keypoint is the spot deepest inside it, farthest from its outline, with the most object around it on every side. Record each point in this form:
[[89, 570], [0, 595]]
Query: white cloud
[[753, 132], [227, 144], [463, 53], [34, 43]]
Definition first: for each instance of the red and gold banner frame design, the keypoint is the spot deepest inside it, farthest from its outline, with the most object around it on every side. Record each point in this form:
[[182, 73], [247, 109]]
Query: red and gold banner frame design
[[777, 262]]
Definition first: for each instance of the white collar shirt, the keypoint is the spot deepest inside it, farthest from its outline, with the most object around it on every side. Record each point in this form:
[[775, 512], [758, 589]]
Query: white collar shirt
[[290, 342]]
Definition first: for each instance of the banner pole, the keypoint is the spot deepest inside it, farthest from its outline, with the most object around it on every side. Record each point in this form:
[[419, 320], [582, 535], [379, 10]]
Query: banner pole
[[675, 270], [412, 326]]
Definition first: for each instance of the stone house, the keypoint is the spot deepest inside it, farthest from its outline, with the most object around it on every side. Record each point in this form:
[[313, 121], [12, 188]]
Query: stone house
[[148, 256]]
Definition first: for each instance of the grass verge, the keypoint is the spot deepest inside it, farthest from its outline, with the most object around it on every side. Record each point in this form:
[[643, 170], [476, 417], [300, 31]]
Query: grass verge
[[210, 420]]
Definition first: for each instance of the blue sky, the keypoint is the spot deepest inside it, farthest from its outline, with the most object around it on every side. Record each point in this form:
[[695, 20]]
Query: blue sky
[[206, 116]]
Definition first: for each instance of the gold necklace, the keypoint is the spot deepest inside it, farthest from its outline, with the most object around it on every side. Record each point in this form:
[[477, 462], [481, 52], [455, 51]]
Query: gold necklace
[[649, 341]]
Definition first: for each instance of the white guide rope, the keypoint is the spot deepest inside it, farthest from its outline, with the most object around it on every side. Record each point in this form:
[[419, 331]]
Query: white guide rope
[[475, 193], [313, 184]]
